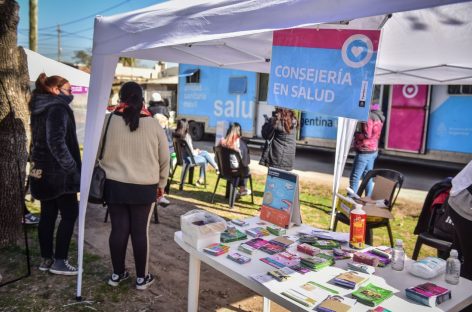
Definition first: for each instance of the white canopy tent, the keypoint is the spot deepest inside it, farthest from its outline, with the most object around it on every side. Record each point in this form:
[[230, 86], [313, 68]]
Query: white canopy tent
[[238, 34], [38, 64]]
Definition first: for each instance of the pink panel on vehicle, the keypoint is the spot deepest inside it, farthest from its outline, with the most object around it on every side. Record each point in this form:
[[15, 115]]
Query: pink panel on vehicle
[[407, 117]]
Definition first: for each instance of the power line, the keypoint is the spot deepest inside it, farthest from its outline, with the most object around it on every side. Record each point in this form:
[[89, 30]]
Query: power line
[[87, 17]]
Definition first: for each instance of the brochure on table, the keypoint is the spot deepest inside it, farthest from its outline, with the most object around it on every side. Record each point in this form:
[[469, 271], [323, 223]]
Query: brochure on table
[[281, 203]]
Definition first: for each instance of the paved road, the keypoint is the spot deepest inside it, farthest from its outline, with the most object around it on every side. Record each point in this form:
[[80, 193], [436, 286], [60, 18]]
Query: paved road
[[318, 165]]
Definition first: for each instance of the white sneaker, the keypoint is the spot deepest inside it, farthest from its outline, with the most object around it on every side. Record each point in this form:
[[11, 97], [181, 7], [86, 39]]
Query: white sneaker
[[162, 201], [245, 192]]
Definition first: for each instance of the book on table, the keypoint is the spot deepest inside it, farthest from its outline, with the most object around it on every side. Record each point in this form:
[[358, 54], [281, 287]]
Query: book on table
[[232, 236], [350, 279], [371, 294], [428, 294], [317, 262], [336, 304]]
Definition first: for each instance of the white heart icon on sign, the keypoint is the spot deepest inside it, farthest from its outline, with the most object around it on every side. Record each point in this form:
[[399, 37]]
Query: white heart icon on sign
[[410, 91], [357, 50]]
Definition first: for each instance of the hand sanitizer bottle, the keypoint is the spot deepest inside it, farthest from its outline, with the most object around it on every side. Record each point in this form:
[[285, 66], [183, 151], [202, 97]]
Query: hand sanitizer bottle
[[453, 268], [398, 256]]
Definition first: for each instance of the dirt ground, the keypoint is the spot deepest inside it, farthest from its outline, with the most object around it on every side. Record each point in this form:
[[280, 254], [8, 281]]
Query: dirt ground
[[170, 263]]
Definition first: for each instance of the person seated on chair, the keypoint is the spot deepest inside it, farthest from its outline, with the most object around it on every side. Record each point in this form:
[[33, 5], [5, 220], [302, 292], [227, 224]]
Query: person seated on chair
[[200, 156], [233, 141]]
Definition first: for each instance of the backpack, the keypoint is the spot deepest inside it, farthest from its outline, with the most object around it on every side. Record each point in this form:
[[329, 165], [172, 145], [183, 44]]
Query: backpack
[[434, 215]]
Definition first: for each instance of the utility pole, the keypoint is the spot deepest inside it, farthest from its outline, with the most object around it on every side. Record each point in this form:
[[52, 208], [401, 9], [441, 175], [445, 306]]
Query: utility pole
[[59, 43], [33, 25]]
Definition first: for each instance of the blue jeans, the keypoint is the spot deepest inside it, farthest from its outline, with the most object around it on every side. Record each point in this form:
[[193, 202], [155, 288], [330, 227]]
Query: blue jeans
[[362, 164], [204, 157]]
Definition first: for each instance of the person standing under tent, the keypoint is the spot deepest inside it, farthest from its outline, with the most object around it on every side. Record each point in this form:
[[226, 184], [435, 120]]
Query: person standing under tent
[[55, 170], [280, 130], [136, 162], [233, 141], [200, 156], [460, 203], [366, 141]]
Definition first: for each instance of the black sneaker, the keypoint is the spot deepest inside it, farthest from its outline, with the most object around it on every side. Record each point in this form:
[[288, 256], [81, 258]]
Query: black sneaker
[[116, 279], [45, 264], [62, 267], [143, 283]]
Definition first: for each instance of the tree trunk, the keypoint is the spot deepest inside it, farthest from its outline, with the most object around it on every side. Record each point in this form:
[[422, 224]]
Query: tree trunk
[[14, 125]]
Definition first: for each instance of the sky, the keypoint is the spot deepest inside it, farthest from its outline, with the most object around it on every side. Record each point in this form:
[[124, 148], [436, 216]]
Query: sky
[[76, 19]]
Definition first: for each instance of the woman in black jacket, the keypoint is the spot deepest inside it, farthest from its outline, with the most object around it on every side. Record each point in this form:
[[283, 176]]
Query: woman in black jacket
[[279, 132], [55, 169]]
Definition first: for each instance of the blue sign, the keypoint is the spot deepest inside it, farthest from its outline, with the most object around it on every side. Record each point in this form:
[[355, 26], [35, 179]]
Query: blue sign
[[329, 72], [215, 96]]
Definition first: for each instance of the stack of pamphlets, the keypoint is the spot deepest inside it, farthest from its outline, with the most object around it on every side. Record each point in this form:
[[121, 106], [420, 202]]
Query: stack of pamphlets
[[383, 256], [216, 249], [239, 222], [287, 258], [361, 257], [256, 243], [336, 304], [283, 241], [308, 249], [350, 279], [359, 267], [276, 230], [342, 253], [307, 238], [428, 294], [239, 258], [300, 296], [379, 309], [272, 248], [317, 262], [371, 295], [232, 236], [282, 274], [247, 249], [257, 232], [326, 244]]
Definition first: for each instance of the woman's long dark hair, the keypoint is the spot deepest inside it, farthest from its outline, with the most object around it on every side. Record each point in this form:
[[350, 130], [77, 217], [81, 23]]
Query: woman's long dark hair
[[131, 94], [182, 129]]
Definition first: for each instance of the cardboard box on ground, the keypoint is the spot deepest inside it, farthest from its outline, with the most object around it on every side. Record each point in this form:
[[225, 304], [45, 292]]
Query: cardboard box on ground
[[374, 206]]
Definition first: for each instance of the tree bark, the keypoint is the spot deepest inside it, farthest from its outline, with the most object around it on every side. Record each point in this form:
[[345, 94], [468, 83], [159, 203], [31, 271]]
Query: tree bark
[[14, 125]]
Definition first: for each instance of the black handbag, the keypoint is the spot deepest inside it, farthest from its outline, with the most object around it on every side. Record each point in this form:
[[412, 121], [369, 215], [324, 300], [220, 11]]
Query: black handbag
[[97, 184]]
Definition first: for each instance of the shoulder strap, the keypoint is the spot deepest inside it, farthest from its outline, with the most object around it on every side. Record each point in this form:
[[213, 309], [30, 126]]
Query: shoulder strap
[[105, 138]]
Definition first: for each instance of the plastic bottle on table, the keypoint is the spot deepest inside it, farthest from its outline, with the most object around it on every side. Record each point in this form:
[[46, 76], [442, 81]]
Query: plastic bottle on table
[[357, 227], [398, 256], [453, 268]]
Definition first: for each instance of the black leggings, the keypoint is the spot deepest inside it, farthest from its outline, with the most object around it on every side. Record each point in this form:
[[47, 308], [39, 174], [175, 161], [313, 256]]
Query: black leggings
[[129, 220], [462, 235], [68, 206]]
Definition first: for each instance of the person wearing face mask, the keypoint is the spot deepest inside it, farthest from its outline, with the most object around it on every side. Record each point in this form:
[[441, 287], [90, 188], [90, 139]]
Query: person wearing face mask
[[55, 170]]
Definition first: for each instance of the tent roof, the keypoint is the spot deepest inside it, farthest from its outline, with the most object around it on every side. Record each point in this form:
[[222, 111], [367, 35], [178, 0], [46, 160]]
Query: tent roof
[[428, 46], [38, 64]]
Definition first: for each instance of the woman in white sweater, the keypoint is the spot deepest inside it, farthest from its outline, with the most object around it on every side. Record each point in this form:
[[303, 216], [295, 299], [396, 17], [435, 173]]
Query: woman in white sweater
[[136, 162]]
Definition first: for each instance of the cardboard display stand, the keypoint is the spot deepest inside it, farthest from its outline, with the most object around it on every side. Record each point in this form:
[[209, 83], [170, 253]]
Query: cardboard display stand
[[281, 203]]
